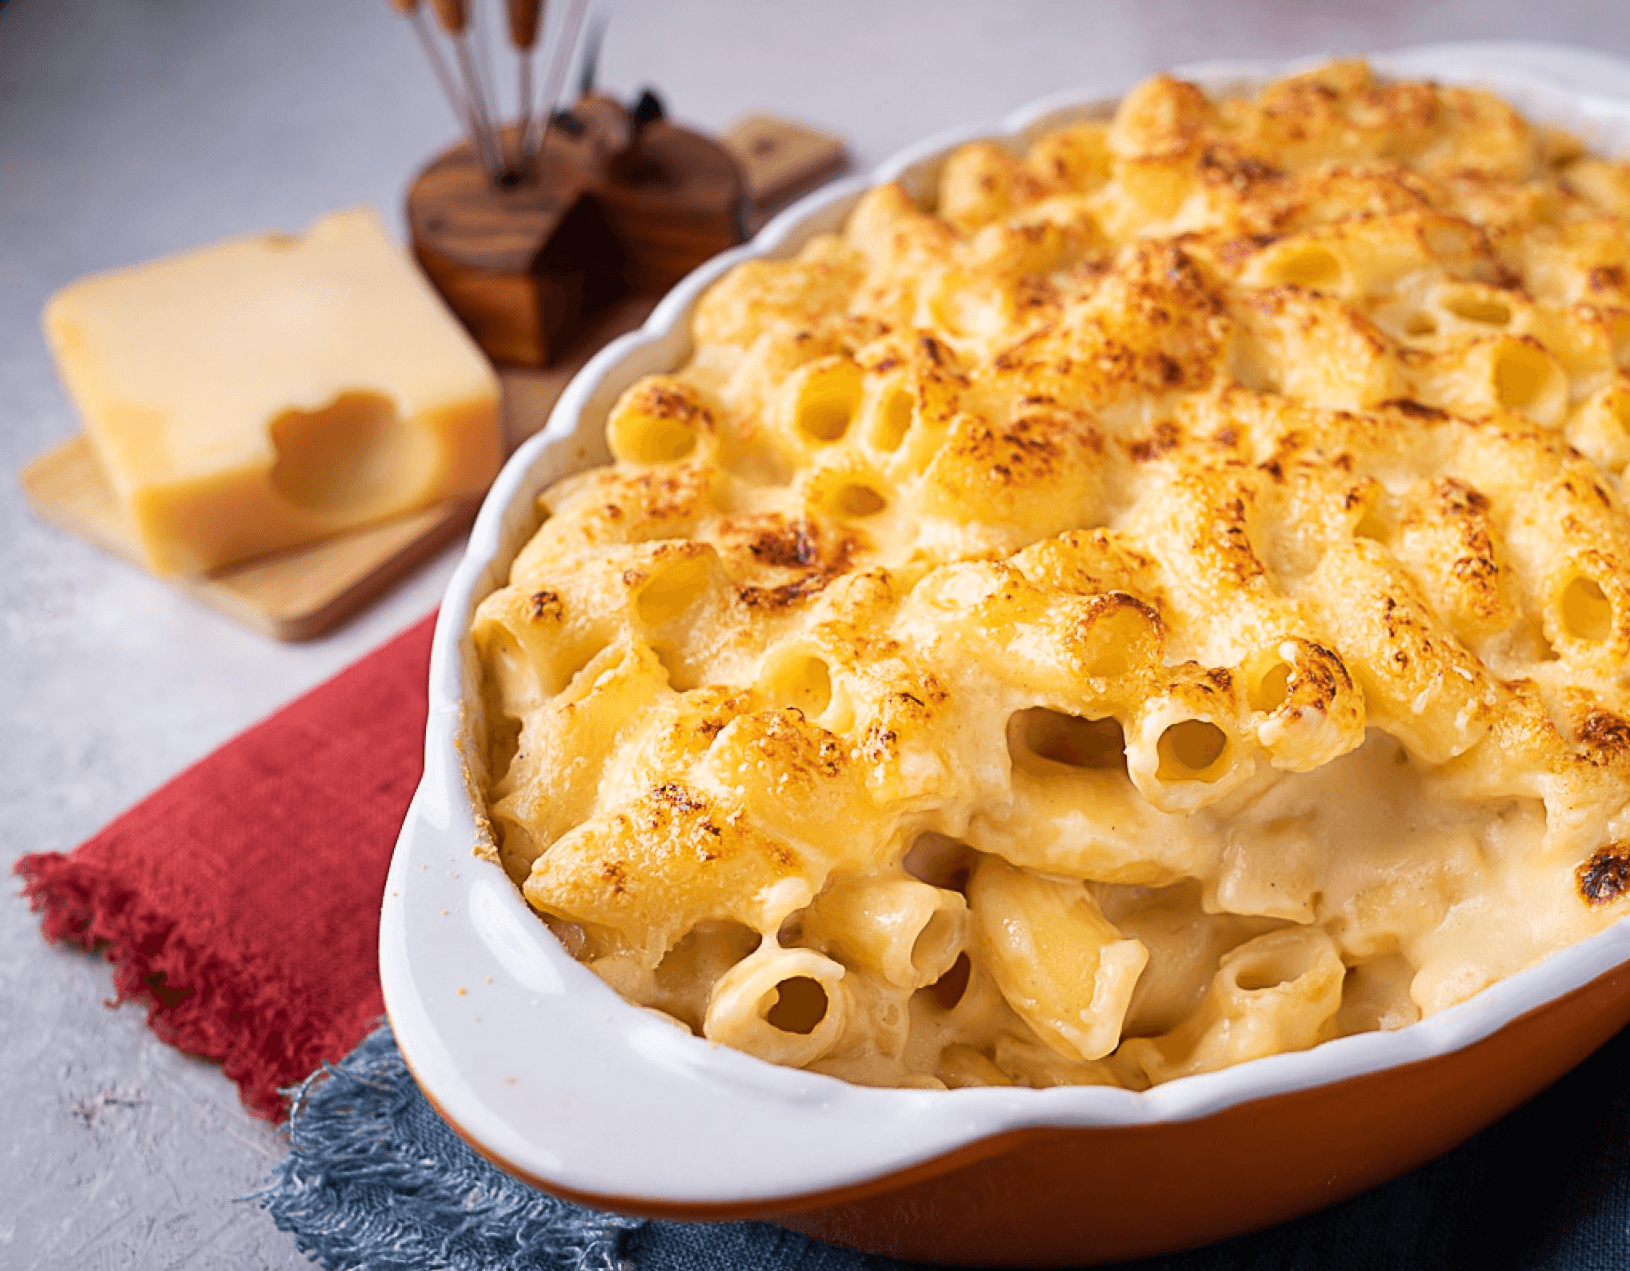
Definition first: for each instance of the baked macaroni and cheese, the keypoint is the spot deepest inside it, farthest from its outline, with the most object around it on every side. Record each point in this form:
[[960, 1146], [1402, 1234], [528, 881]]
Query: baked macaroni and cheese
[[1164, 602]]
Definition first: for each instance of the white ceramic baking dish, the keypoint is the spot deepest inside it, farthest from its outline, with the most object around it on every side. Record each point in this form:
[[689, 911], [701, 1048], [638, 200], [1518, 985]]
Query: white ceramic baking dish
[[542, 1068]]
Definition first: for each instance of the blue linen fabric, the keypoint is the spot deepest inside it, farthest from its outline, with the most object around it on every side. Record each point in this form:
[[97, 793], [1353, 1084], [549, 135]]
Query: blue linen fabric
[[375, 1181]]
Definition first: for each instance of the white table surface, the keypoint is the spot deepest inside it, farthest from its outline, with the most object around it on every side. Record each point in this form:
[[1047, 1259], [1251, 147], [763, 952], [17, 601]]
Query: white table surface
[[130, 128]]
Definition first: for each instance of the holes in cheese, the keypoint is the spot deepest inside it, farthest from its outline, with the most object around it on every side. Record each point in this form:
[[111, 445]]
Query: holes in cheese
[[673, 588], [348, 456], [827, 400], [1097, 744], [1192, 750], [893, 420], [1476, 306], [1527, 380], [255, 394], [800, 1006], [1585, 610]]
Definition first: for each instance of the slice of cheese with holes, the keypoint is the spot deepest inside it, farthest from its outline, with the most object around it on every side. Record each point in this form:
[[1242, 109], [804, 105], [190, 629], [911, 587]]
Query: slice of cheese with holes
[[270, 390]]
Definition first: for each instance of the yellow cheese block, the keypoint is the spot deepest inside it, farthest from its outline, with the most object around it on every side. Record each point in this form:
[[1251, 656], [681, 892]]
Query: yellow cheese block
[[270, 390]]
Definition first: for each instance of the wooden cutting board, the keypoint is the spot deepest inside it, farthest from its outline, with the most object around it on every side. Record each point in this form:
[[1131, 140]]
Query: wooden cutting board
[[302, 593]]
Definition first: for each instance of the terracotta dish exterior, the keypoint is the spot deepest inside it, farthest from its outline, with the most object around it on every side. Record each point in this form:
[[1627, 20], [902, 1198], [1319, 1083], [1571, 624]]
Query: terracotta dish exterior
[[546, 1072]]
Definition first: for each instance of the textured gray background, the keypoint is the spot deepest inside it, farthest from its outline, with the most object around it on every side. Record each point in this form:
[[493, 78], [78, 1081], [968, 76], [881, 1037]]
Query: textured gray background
[[134, 127]]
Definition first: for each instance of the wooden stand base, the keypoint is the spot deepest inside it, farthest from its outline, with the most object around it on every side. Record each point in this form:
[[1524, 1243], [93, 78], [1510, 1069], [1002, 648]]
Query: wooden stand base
[[602, 215]]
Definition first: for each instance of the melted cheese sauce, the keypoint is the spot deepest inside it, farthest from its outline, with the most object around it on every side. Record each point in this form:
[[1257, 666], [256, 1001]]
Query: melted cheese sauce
[[1164, 603]]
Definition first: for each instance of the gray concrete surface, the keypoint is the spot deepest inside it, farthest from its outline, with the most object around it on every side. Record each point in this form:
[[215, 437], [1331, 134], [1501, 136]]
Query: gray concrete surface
[[134, 127]]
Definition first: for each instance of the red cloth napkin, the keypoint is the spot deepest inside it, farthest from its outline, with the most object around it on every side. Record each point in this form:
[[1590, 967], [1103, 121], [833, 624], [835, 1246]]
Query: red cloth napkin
[[241, 900]]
